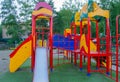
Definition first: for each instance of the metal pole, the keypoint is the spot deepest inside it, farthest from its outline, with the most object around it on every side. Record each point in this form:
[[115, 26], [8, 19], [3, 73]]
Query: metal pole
[[33, 42], [75, 55], [89, 55], [51, 44], [108, 45], [117, 47], [98, 44]]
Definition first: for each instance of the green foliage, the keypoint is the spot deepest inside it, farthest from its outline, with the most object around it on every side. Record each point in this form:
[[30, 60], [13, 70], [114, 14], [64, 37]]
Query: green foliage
[[42, 23], [9, 21], [66, 15], [73, 5], [25, 11], [51, 3], [7, 8], [113, 6], [58, 24], [0, 32], [93, 29], [105, 4], [62, 19], [36, 1], [17, 23], [114, 11], [25, 15]]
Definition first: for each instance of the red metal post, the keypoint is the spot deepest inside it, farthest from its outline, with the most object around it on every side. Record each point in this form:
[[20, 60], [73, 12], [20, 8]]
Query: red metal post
[[80, 53], [75, 54], [89, 55], [75, 58], [117, 47], [58, 56], [98, 44], [107, 46], [42, 36], [33, 42], [108, 35], [80, 62], [51, 44], [89, 35], [67, 53], [89, 63]]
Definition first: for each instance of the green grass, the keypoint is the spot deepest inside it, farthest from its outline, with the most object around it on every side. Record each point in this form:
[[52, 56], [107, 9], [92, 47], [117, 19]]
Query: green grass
[[114, 74], [16, 77], [22, 75], [70, 73], [62, 73]]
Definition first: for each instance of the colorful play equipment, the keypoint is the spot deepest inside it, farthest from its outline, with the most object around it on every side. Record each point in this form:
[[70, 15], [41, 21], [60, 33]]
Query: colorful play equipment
[[17, 58], [80, 45], [72, 46], [88, 48], [117, 47], [29, 47]]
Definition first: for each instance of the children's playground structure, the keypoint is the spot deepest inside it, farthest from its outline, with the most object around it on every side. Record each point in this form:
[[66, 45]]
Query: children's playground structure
[[75, 46]]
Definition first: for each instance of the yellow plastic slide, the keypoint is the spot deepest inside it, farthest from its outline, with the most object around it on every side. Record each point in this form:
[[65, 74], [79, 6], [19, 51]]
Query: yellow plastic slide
[[20, 54]]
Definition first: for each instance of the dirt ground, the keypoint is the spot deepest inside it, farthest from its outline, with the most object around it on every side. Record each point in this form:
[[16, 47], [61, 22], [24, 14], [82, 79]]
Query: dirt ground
[[4, 60]]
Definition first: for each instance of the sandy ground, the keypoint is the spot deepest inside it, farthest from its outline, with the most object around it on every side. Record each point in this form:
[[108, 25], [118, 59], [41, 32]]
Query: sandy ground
[[4, 60]]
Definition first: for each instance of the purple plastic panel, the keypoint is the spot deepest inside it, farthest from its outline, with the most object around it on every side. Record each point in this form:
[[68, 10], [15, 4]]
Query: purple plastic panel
[[44, 5]]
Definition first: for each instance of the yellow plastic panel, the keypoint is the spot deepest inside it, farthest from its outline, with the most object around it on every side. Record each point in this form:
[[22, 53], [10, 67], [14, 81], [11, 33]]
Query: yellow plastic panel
[[40, 43], [98, 11], [84, 8], [42, 11], [67, 31], [45, 43], [43, 17], [83, 44], [77, 18]]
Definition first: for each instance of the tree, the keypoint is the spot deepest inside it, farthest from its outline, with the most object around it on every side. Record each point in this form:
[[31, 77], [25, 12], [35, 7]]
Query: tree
[[25, 14], [36, 1], [66, 15], [51, 3], [73, 5], [114, 11], [113, 6], [7, 8], [105, 4], [67, 12], [9, 20], [0, 32], [58, 24]]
